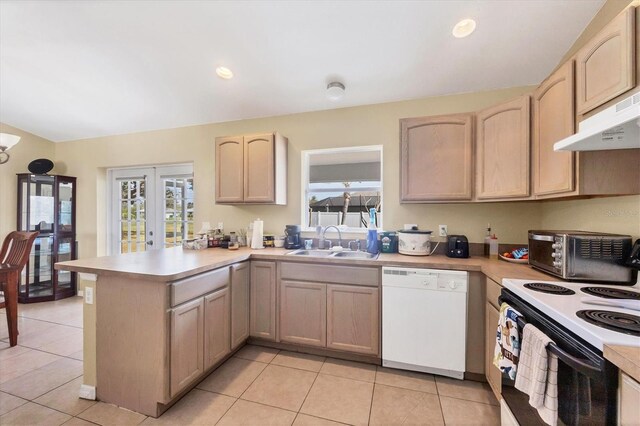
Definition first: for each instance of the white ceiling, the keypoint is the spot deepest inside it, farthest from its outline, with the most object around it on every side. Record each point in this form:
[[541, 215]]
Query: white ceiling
[[80, 69]]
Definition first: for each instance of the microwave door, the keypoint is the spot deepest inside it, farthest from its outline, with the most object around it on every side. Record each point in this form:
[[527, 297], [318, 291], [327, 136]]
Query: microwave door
[[540, 252]]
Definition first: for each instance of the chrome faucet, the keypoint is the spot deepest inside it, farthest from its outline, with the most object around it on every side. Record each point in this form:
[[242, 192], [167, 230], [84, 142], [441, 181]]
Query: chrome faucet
[[357, 243], [339, 233]]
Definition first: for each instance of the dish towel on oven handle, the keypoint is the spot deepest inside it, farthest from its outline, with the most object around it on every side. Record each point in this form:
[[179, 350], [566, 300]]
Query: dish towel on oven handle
[[538, 374], [507, 350]]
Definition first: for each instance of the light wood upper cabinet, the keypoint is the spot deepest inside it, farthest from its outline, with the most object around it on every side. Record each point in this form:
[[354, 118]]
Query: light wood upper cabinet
[[230, 170], [187, 337], [605, 66], [353, 320], [502, 150], [553, 120], [217, 342], [251, 169], [303, 313], [263, 300], [240, 275], [436, 158]]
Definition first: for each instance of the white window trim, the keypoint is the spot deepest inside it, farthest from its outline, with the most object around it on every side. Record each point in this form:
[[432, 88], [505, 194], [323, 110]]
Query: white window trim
[[305, 185]]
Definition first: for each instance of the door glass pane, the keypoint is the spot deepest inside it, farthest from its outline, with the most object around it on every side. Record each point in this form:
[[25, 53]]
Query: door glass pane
[[178, 213], [132, 222]]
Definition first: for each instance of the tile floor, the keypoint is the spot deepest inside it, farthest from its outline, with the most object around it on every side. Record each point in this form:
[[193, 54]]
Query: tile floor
[[40, 379]]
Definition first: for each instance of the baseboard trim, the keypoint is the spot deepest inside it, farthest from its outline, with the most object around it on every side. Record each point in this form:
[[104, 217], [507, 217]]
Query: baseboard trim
[[88, 392]]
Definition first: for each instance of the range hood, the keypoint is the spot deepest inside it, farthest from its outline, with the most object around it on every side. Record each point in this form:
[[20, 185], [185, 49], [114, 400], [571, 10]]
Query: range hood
[[617, 127]]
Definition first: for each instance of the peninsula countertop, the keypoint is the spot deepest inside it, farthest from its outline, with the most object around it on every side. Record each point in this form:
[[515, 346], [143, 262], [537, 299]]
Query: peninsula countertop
[[175, 263]]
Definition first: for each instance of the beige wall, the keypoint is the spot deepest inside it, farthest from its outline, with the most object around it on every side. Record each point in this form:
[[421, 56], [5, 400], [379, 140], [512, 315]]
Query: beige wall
[[28, 149], [366, 125]]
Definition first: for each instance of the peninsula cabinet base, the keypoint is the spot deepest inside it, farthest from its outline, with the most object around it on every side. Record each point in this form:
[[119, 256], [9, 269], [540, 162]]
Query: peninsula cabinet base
[[348, 356]]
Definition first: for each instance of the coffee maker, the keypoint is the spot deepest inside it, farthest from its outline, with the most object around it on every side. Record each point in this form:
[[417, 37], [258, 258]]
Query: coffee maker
[[292, 237]]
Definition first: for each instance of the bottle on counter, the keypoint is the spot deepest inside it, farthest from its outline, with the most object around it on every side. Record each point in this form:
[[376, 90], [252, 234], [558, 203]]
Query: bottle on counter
[[493, 247], [372, 234], [487, 240]]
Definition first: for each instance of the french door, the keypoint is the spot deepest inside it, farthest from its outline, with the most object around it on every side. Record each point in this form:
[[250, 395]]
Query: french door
[[150, 208]]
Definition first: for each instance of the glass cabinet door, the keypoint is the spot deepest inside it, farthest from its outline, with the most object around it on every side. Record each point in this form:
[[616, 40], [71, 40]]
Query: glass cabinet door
[[66, 212], [37, 277], [65, 251]]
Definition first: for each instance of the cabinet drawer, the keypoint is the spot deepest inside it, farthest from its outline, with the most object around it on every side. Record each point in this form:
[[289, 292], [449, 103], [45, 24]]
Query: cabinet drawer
[[493, 291], [331, 274], [192, 287]]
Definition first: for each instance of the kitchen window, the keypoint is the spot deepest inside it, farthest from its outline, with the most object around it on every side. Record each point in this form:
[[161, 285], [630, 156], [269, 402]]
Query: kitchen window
[[340, 185]]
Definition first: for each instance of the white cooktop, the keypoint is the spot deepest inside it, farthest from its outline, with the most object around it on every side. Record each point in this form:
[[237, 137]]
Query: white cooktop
[[563, 308]]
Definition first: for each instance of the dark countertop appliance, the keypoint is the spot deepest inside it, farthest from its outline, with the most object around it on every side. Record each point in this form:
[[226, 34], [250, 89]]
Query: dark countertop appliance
[[457, 246], [292, 237]]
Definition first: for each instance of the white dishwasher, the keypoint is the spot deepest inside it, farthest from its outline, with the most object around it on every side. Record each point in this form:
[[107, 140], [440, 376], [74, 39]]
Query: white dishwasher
[[424, 320]]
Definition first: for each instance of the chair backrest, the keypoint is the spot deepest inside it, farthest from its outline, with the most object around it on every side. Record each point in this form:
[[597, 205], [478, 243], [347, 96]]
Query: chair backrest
[[16, 248]]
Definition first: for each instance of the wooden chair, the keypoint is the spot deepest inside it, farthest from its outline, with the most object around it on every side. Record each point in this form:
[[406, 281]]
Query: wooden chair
[[13, 257]]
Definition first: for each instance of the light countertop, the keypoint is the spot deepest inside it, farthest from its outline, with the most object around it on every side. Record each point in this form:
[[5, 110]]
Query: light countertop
[[175, 263], [626, 358]]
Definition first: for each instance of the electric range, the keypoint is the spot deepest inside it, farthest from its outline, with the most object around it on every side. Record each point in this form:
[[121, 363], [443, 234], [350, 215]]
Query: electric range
[[580, 306]]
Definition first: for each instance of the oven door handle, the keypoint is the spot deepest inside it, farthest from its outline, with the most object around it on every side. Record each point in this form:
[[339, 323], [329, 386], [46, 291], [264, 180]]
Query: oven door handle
[[585, 367]]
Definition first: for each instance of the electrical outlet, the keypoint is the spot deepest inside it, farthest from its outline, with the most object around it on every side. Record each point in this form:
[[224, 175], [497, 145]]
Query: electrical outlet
[[88, 295], [442, 230], [220, 225]]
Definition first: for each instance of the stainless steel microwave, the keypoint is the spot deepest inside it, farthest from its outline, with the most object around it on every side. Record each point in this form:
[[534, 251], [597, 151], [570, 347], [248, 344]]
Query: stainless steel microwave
[[582, 256]]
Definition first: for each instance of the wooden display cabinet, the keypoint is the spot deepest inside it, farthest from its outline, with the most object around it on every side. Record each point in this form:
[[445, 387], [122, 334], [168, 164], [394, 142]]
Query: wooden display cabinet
[[47, 204]]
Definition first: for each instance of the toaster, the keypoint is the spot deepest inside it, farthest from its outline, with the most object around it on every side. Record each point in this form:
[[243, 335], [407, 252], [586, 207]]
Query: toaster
[[457, 246]]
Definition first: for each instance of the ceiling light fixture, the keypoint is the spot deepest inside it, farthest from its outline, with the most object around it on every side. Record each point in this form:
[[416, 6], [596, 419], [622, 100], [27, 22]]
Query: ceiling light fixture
[[7, 140], [224, 72], [335, 90], [464, 28]]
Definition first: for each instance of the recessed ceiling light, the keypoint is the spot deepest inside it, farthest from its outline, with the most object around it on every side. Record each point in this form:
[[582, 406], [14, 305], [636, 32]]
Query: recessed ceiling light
[[335, 90], [464, 28], [224, 72]]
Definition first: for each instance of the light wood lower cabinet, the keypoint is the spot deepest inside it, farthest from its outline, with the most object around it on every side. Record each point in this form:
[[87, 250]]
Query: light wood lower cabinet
[[492, 373], [187, 337], [217, 343], [303, 313], [502, 150], [353, 319], [629, 404], [240, 276], [263, 300]]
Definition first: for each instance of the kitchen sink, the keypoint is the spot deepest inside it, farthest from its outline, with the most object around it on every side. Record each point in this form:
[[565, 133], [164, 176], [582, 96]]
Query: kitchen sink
[[313, 253], [326, 253], [355, 255]]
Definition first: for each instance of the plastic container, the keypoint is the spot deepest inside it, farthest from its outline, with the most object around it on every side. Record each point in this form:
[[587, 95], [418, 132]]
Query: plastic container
[[493, 247], [389, 242]]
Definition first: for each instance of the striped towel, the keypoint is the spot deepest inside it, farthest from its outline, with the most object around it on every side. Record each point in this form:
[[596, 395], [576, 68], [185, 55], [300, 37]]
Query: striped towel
[[507, 350], [538, 374]]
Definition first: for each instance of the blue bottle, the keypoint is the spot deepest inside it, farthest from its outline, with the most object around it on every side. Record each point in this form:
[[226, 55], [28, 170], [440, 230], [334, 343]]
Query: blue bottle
[[372, 234]]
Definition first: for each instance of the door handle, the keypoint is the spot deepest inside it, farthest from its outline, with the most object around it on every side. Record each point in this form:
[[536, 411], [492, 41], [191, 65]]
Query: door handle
[[150, 243]]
